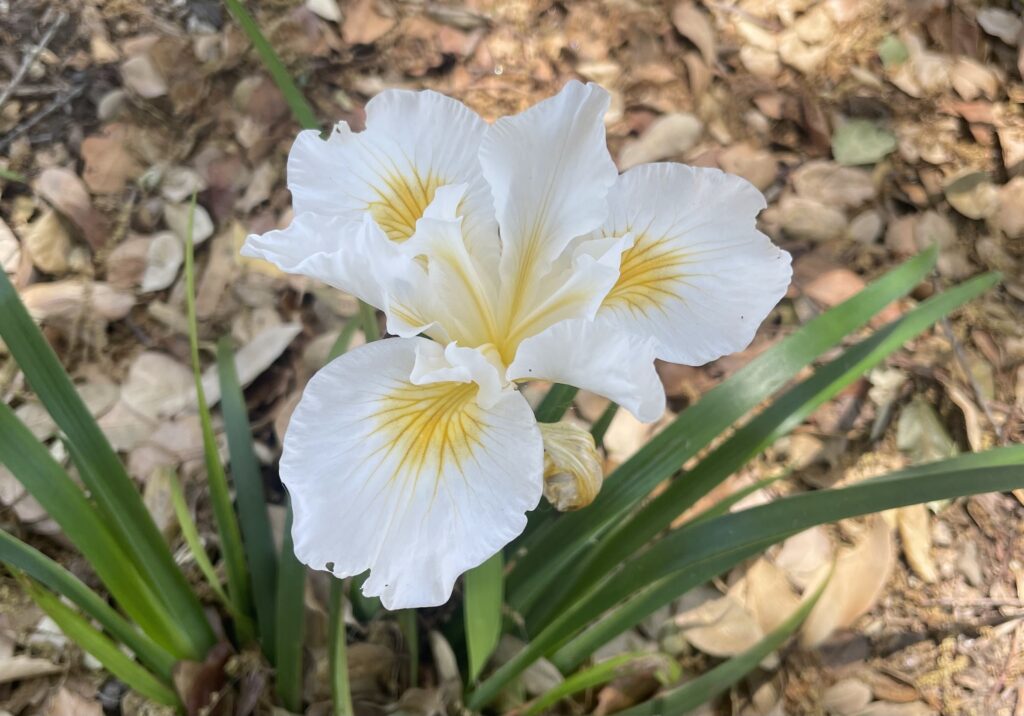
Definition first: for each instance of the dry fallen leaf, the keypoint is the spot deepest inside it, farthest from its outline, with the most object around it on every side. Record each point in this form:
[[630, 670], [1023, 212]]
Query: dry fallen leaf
[[109, 166], [916, 537], [10, 249], [164, 257], [68, 703], [177, 218], [694, 25], [48, 243], [158, 386], [804, 557], [973, 195], [668, 136], [66, 193], [804, 218], [364, 23], [860, 575], [833, 184], [769, 595], [72, 298], [22, 666], [721, 627], [846, 697], [253, 358]]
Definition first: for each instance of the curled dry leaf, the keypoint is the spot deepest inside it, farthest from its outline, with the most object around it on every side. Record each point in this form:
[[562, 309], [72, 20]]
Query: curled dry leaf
[[109, 166], [164, 257], [804, 557], [857, 581], [916, 538], [768, 594], [539, 678], [253, 358], [179, 183], [141, 75], [127, 262], [973, 195], [846, 697], [1004, 24], [811, 220], [365, 23], [833, 184], [721, 627], [921, 435], [695, 26], [48, 243], [72, 298], [10, 249], [22, 667], [758, 166], [1009, 218], [66, 193], [668, 136], [158, 386], [177, 215]]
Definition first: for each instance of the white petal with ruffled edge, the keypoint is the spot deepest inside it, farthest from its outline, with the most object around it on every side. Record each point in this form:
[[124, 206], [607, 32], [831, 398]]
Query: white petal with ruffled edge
[[549, 171], [414, 143], [699, 276], [417, 483], [585, 354]]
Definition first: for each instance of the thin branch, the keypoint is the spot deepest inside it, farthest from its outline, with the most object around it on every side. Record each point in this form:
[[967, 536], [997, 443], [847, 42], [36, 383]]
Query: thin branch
[[30, 58]]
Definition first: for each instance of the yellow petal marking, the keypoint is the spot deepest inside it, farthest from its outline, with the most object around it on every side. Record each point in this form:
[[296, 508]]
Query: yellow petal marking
[[430, 429], [650, 271], [402, 199]]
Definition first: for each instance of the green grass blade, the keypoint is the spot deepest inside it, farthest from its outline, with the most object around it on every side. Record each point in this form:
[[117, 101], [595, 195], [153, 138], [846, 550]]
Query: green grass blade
[[739, 535], [484, 587], [220, 495], [698, 552], [601, 425], [33, 466], [106, 479], [76, 628], [17, 554], [301, 109], [8, 175], [556, 401], [291, 621], [785, 413], [257, 538], [341, 696], [190, 534], [409, 626], [600, 673], [344, 339], [368, 322], [707, 686], [722, 406]]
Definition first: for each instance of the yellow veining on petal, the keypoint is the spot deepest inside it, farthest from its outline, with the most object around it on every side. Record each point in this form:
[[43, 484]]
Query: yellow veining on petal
[[429, 430], [402, 199], [649, 274]]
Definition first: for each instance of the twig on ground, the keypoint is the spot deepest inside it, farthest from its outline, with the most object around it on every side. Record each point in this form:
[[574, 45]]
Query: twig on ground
[[979, 396], [31, 58], [57, 102]]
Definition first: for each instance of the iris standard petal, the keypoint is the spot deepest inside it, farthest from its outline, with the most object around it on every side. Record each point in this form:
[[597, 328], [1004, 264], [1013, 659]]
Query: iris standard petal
[[417, 483], [549, 171], [414, 142], [699, 276], [585, 354]]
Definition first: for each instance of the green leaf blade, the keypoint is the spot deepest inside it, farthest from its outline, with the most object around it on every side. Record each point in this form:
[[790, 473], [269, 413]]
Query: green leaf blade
[[254, 521], [695, 428], [108, 482], [484, 587]]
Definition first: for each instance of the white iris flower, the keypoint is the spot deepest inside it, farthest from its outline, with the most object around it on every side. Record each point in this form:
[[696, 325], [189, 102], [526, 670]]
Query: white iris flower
[[520, 251]]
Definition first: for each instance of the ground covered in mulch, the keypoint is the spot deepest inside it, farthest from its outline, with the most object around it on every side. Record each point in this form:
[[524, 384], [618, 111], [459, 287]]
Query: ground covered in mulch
[[874, 128]]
